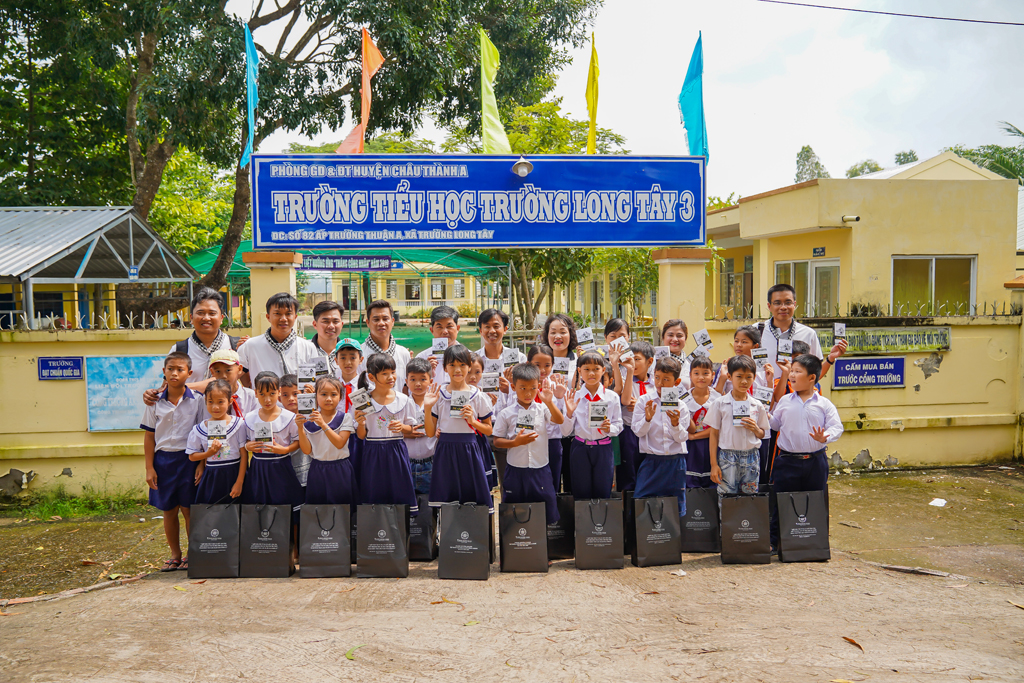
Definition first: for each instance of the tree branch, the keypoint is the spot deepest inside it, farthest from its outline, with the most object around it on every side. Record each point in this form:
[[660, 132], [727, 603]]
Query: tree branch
[[258, 21]]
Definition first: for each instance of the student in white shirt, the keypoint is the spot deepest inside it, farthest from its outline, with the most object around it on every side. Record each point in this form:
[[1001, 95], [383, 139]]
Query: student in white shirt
[[225, 365], [224, 469], [522, 428], [444, 324], [380, 319], [325, 437], [736, 448], [698, 399], [279, 350], [420, 447], [542, 357], [170, 474], [806, 422], [593, 462], [662, 439]]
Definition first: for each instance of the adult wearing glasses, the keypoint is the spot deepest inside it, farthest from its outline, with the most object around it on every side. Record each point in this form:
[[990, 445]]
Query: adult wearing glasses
[[782, 325]]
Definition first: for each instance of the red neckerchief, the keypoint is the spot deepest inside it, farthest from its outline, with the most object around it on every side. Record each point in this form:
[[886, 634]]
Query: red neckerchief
[[537, 398], [596, 397], [234, 404], [643, 385], [348, 400]]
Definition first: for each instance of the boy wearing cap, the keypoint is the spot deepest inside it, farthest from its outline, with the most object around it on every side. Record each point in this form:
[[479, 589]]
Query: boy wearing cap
[[444, 322], [225, 364]]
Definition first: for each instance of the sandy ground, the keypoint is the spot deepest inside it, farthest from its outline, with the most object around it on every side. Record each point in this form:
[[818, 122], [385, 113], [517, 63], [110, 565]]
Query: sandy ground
[[778, 622]]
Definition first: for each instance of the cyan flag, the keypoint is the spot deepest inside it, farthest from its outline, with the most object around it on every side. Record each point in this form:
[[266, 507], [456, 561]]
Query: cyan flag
[[691, 103], [252, 97]]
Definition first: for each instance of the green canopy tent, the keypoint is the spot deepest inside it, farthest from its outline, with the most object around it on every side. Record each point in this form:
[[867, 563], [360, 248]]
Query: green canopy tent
[[472, 263]]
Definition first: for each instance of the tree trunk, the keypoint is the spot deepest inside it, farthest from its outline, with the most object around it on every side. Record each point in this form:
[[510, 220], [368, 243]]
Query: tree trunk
[[551, 297], [148, 182], [218, 275]]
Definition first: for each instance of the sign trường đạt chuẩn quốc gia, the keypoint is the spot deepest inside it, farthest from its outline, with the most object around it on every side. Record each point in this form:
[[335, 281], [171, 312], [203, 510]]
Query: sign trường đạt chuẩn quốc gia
[[475, 201], [862, 341]]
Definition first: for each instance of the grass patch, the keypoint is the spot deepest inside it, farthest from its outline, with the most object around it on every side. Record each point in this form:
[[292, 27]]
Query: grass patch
[[57, 501]]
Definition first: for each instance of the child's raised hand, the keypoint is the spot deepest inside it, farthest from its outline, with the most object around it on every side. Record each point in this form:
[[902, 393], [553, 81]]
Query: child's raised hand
[[673, 416], [396, 426], [505, 381], [570, 405], [749, 424], [432, 395], [546, 393], [769, 374], [493, 397], [360, 420], [300, 420], [308, 389], [215, 447], [784, 368], [317, 419], [819, 435], [649, 410], [613, 355], [606, 426], [433, 363], [560, 386], [524, 437], [467, 413]]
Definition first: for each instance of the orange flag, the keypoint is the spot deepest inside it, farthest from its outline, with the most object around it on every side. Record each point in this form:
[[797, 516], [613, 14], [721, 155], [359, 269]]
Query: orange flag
[[372, 61]]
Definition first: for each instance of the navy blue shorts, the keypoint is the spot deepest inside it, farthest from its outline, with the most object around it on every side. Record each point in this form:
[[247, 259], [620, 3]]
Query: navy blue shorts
[[530, 485], [175, 480]]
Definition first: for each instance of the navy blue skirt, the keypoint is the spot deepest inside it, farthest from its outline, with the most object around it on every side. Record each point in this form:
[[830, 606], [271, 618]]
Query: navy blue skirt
[[175, 480], [530, 485], [385, 477], [698, 464], [487, 460], [662, 476], [458, 475], [272, 481], [216, 484], [331, 482], [555, 462]]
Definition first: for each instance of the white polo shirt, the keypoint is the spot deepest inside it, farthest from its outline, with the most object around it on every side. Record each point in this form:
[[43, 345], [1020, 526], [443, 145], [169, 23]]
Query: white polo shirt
[[257, 355], [533, 455], [719, 416], [402, 358], [794, 418], [172, 423], [659, 437], [581, 418], [800, 333]]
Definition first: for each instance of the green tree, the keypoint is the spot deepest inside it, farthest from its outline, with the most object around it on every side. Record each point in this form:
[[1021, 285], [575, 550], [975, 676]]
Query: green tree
[[635, 271], [192, 208], [715, 203], [809, 166], [862, 168], [1005, 161], [907, 157]]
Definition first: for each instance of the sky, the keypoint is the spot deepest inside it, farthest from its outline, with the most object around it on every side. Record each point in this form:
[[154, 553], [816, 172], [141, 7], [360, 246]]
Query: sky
[[853, 86]]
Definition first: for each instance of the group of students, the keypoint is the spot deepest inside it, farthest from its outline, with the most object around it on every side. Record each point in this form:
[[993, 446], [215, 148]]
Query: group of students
[[455, 424]]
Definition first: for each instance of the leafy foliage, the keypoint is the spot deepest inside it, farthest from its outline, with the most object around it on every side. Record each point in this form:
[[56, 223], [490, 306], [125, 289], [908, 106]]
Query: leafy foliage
[[715, 203], [635, 271], [863, 167], [809, 166], [907, 157], [1005, 161], [192, 208]]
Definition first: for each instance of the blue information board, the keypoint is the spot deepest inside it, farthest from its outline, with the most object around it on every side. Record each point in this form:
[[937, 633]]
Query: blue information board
[[114, 386], [475, 201], [60, 367], [869, 372]]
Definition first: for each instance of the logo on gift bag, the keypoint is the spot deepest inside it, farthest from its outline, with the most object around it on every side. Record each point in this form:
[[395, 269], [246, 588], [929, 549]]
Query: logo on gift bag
[[215, 532], [464, 535], [657, 526], [522, 533], [744, 524], [801, 519], [265, 533], [697, 513], [599, 527], [381, 533], [325, 533]]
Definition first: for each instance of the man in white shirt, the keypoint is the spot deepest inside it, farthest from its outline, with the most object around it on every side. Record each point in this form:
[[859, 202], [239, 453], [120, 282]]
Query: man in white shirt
[[782, 304], [328, 323], [380, 318], [806, 422], [279, 350]]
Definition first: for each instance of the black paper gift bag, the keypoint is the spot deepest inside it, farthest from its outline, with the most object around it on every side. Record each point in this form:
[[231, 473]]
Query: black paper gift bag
[[599, 534], [465, 547], [265, 550], [562, 534], [324, 541], [382, 548], [423, 532], [745, 527], [803, 527], [213, 542], [657, 532], [523, 531], [700, 527]]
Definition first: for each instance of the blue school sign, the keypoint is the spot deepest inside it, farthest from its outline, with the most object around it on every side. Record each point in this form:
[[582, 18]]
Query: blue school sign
[[308, 201], [869, 373]]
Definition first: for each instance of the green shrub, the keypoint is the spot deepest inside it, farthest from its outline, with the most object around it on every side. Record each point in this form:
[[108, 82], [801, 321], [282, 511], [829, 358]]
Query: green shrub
[[468, 310], [57, 501]]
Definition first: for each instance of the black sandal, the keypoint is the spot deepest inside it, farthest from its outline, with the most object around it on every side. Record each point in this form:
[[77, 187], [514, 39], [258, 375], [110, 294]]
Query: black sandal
[[171, 565], [184, 563]]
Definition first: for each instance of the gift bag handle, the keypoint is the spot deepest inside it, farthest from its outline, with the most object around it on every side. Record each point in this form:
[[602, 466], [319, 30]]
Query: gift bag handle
[[661, 509], [593, 521], [218, 502], [259, 516], [807, 504], [529, 514], [334, 518]]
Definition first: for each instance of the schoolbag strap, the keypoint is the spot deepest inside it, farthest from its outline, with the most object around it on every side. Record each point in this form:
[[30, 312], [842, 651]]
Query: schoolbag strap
[[234, 342], [182, 346]]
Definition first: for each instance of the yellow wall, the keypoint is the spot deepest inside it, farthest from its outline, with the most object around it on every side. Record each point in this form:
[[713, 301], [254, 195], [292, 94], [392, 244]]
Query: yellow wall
[[44, 425]]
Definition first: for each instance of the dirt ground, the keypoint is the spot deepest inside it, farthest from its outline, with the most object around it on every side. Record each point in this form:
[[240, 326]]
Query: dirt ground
[[778, 622]]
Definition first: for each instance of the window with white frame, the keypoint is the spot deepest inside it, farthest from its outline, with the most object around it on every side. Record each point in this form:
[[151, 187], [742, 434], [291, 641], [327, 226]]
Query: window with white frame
[[412, 290], [933, 284], [459, 288], [437, 289], [373, 290], [392, 289]]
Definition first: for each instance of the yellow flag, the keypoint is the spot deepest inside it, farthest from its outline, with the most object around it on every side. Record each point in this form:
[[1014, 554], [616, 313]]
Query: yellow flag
[[494, 138], [592, 97]]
